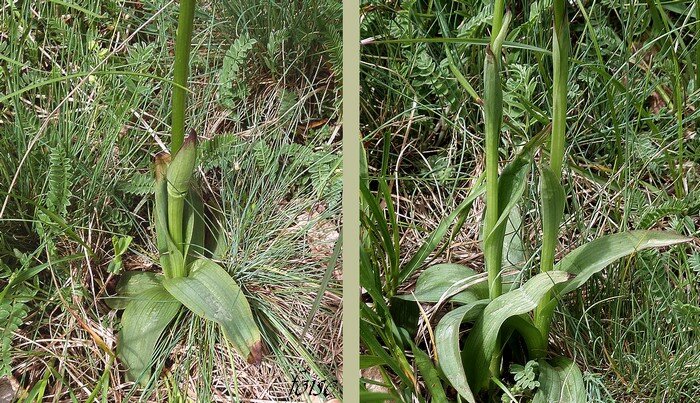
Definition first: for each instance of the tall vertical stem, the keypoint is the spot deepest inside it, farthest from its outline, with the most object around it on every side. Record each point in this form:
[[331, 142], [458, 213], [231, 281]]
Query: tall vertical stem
[[183, 43], [498, 12], [493, 119], [560, 56], [493, 100]]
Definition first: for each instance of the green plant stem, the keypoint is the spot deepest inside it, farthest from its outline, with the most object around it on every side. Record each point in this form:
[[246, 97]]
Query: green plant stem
[[183, 43], [493, 119], [498, 12], [560, 56], [493, 99]]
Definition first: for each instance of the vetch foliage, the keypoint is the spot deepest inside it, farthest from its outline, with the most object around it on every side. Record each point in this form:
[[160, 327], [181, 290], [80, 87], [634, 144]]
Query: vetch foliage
[[233, 86]]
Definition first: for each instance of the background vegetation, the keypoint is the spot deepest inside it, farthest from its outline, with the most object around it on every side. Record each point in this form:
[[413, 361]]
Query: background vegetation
[[632, 163], [84, 107]]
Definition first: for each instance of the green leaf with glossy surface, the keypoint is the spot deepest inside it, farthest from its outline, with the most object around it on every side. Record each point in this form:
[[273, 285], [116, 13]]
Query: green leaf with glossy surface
[[481, 342], [447, 344], [591, 258], [194, 227], [179, 174], [553, 201], [530, 333], [161, 212], [130, 285], [514, 252], [210, 292], [447, 281], [513, 181], [143, 321], [561, 382]]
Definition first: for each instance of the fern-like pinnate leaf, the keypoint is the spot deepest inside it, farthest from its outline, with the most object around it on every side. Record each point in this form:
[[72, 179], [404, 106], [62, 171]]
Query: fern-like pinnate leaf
[[12, 316], [60, 178], [233, 87]]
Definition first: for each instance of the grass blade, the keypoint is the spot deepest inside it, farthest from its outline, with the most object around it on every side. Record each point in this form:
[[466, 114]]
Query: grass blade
[[436, 237], [430, 375], [397, 362]]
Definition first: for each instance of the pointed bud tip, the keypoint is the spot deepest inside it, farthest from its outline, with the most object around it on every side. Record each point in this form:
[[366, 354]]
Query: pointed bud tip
[[191, 138]]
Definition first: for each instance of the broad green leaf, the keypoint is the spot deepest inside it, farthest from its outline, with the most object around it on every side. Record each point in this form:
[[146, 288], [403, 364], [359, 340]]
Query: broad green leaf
[[181, 169], [431, 378], [452, 282], [143, 321], [529, 332], [194, 227], [553, 201], [514, 254], [512, 183], [210, 292], [561, 382], [481, 342], [130, 285], [176, 260], [589, 259], [161, 212], [171, 259], [446, 282], [447, 344]]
